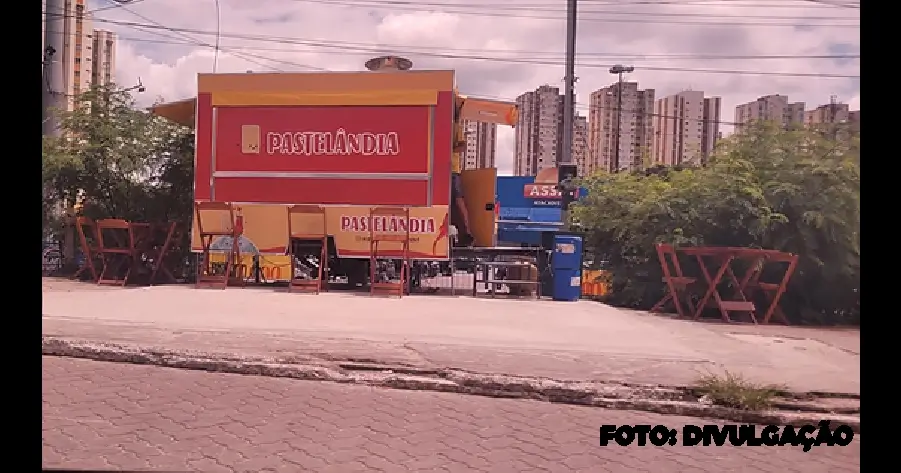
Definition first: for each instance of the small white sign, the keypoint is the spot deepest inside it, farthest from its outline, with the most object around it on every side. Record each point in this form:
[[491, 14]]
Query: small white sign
[[575, 281], [568, 248]]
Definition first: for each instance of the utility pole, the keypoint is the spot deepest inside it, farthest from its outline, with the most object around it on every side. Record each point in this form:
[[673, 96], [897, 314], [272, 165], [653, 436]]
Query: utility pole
[[566, 168], [619, 70], [53, 70], [569, 109]]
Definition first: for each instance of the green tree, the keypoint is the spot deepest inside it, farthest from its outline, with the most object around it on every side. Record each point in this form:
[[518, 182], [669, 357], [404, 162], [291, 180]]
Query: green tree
[[59, 173], [813, 179], [119, 161], [795, 190]]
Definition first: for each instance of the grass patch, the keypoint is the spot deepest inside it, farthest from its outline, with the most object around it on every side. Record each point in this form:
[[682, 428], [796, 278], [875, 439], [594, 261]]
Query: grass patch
[[732, 390]]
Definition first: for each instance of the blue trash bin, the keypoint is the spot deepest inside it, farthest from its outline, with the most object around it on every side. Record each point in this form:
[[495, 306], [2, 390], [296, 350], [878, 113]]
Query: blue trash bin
[[566, 265]]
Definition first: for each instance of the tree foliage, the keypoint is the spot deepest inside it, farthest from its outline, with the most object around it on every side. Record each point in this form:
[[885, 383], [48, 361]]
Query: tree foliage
[[114, 160], [793, 190]]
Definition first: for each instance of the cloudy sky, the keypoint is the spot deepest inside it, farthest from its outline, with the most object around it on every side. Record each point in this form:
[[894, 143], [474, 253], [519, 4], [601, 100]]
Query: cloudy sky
[[735, 49]]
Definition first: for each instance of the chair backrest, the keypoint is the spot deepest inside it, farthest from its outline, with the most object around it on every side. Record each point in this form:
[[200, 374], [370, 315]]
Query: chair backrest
[[666, 253], [216, 217], [114, 224], [307, 221]]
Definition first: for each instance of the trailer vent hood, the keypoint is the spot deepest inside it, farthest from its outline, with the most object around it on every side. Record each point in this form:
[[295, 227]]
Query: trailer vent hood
[[389, 64]]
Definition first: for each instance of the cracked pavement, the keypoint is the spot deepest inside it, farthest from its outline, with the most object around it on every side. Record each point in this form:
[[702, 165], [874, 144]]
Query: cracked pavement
[[119, 416], [580, 341]]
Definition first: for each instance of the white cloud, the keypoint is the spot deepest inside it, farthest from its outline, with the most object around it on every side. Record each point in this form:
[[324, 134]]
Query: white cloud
[[293, 34]]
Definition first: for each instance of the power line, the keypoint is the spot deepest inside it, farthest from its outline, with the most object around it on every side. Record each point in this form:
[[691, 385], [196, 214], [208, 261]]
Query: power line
[[668, 57], [855, 5], [760, 4], [344, 46], [482, 11], [116, 4], [187, 37], [554, 8], [154, 27]]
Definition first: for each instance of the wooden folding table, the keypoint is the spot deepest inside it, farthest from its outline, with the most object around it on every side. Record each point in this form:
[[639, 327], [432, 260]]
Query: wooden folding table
[[741, 287], [160, 245]]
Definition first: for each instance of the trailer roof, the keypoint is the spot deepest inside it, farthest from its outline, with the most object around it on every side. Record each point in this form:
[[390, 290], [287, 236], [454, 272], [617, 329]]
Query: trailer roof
[[181, 112], [475, 109]]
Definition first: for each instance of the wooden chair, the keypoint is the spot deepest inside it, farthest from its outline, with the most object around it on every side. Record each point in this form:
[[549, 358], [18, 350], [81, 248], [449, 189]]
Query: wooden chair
[[773, 291], [677, 284], [117, 253], [225, 226], [313, 229], [87, 239], [380, 236]]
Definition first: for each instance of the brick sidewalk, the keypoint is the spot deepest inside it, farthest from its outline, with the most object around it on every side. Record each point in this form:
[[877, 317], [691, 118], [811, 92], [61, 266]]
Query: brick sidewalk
[[119, 416]]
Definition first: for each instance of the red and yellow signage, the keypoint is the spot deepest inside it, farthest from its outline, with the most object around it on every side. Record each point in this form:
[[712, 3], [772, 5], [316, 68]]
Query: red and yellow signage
[[323, 138], [382, 140], [544, 186], [266, 230]]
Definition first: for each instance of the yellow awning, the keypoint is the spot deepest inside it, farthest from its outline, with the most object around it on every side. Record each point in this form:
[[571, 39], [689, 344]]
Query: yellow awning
[[489, 111], [181, 112]]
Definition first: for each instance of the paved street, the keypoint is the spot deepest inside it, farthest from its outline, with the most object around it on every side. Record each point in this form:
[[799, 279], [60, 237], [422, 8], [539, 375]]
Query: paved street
[[118, 416], [576, 341]]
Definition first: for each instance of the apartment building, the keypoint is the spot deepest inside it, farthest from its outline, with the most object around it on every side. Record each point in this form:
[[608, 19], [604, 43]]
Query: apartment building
[[775, 108], [539, 137], [686, 128], [103, 57], [580, 144], [834, 113], [481, 145], [635, 123], [88, 56], [77, 54]]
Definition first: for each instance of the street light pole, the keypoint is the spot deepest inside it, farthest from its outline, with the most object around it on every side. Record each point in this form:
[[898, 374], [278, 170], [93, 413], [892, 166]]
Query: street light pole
[[619, 70]]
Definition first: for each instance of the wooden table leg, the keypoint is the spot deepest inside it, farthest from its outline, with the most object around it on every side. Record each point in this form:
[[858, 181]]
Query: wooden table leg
[[711, 283], [158, 264], [774, 304], [739, 286]]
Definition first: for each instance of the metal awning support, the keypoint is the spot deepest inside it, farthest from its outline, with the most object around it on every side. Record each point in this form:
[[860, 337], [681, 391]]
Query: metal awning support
[[489, 111], [182, 112]]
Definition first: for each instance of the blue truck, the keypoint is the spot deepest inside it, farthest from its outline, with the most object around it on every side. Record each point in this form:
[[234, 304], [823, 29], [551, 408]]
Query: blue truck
[[528, 206]]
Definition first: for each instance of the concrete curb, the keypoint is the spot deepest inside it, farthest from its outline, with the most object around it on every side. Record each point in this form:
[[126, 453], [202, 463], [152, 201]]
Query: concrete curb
[[657, 399]]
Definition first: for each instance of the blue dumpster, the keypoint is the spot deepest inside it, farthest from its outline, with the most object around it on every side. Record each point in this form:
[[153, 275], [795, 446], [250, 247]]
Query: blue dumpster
[[566, 265]]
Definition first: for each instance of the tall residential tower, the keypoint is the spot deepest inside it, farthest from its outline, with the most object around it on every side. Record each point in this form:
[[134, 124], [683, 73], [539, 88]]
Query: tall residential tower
[[686, 128], [633, 120]]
